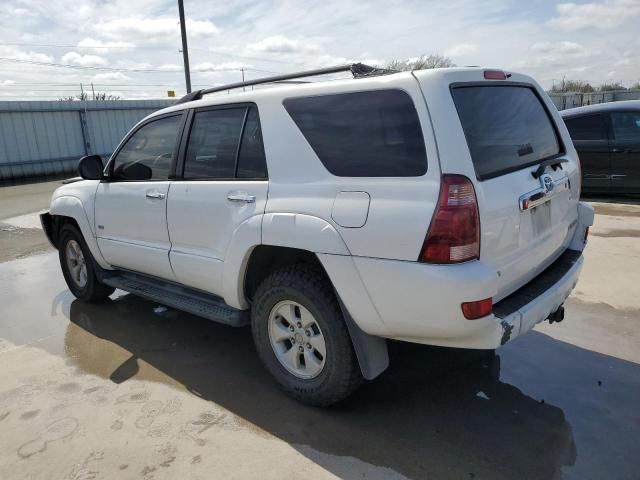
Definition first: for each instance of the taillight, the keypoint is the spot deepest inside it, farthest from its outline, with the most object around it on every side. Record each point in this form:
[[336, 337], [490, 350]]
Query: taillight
[[454, 234], [479, 309]]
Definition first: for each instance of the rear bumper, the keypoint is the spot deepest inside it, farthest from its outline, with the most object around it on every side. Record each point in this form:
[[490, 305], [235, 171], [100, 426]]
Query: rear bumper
[[536, 301], [421, 303]]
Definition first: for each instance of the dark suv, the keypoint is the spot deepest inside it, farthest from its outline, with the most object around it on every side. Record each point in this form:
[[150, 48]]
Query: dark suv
[[607, 138]]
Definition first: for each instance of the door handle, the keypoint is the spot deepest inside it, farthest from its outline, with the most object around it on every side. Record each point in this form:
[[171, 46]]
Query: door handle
[[241, 197], [155, 195], [620, 150]]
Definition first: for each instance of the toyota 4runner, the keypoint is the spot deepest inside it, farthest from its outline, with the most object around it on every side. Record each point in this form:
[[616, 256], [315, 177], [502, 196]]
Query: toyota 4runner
[[438, 206]]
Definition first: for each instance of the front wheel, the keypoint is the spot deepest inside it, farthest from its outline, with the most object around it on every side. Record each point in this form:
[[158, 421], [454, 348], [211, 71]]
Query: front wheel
[[78, 268], [301, 337]]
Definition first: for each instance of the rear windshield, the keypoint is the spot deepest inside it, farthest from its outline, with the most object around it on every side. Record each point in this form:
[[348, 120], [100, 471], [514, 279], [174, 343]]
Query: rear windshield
[[363, 134], [507, 128]]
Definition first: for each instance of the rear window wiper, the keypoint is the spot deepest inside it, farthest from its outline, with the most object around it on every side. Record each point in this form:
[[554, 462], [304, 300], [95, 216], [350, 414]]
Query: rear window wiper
[[552, 162]]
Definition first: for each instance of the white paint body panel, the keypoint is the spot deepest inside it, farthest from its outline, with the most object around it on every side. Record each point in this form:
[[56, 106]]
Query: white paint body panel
[[366, 232], [132, 229], [202, 223], [76, 200]]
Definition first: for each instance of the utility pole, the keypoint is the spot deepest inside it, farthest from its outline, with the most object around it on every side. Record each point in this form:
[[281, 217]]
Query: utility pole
[[93, 92], [81, 92], [242, 70], [185, 50]]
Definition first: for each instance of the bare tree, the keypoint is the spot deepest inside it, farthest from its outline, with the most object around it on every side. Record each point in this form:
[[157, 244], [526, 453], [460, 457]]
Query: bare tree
[[572, 86], [85, 96], [609, 87], [423, 62]]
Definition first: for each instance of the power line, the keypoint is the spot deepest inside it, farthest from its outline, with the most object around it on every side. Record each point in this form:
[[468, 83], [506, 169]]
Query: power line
[[114, 69], [136, 47], [72, 46], [81, 67]]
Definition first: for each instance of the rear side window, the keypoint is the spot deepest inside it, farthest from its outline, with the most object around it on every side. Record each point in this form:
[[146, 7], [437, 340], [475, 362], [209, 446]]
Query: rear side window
[[224, 144], [363, 134], [213, 143], [588, 127], [507, 128]]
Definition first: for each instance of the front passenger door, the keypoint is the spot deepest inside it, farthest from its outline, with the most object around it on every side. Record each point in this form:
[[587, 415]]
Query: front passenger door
[[131, 207]]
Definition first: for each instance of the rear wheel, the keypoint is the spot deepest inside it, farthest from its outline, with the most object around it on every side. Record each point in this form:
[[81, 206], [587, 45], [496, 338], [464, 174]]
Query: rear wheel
[[301, 336], [78, 267]]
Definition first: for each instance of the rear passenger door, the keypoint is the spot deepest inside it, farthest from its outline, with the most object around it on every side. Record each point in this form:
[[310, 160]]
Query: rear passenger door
[[589, 135], [221, 186], [625, 151]]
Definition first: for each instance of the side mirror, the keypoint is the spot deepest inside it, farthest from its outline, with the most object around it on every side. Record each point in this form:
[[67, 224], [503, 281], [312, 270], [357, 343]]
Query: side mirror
[[90, 167]]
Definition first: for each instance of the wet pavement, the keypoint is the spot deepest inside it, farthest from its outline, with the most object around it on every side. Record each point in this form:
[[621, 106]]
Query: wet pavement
[[115, 390]]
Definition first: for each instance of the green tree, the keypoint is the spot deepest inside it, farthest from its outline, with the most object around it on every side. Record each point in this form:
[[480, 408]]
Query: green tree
[[423, 62]]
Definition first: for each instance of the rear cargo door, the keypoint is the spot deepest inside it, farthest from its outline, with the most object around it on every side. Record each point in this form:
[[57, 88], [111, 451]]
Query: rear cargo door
[[526, 219]]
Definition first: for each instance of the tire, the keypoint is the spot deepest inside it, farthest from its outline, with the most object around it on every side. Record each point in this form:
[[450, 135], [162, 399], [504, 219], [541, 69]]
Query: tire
[[307, 287], [74, 254]]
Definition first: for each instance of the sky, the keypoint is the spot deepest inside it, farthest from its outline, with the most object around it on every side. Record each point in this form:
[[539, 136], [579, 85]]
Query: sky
[[132, 48]]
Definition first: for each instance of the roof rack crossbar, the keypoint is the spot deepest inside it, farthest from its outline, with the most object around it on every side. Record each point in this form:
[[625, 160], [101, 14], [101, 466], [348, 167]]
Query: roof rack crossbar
[[357, 69]]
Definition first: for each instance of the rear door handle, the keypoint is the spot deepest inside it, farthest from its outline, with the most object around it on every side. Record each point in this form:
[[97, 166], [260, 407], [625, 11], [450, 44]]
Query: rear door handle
[[241, 197], [155, 195]]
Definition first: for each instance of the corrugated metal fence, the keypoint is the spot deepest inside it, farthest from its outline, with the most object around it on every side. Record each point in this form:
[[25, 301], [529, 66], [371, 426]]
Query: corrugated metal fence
[[48, 138], [576, 99]]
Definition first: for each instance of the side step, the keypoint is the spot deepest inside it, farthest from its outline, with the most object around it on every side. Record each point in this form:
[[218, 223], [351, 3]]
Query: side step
[[178, 297]]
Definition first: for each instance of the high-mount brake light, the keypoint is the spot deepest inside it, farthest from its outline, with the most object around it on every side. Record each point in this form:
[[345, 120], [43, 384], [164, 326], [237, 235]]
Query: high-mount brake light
[[495, 75], [454, 234]]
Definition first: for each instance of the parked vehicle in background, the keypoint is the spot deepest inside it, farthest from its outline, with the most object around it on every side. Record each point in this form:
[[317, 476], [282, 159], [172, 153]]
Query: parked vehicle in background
[[439, 207], [607, 139]]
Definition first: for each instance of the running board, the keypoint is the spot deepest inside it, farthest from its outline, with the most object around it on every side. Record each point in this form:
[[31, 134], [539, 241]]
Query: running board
[[181, 298]]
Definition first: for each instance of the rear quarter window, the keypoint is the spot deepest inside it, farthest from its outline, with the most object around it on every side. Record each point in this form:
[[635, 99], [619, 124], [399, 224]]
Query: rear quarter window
[[507, 128], [362, 134]]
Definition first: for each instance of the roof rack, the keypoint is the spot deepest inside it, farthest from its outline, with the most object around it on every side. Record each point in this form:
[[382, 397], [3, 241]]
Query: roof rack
[[357, 70]]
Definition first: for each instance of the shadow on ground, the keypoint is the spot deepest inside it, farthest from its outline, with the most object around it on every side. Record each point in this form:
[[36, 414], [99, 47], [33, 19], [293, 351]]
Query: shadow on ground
[[425, 417]]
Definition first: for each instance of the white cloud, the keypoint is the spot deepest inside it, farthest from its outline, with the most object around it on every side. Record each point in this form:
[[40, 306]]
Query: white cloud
[[170, 67], [7, 82], [110, 76], [212, 67], [602, 15], [153, 29], [281, 44], [461, 50], [103, 47], [282, 37], [11, 52], [74, 58], [561, 48]]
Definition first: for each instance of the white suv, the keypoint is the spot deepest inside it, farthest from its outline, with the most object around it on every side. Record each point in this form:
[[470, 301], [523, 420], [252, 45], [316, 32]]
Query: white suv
[[438, 207]]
